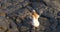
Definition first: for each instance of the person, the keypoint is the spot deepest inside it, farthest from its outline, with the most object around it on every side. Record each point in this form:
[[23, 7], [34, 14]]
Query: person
[[35, 17]]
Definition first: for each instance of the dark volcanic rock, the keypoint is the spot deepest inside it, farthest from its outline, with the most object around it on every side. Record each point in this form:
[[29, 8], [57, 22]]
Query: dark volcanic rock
[[15, 15], [58, 13], [53, 3], [7, 25]]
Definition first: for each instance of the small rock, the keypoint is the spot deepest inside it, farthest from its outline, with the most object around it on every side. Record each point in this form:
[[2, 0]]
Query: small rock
[[58, 13], [2, 14]]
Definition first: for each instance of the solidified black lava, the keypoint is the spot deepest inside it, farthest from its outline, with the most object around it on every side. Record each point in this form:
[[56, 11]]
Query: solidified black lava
[[14, 15]]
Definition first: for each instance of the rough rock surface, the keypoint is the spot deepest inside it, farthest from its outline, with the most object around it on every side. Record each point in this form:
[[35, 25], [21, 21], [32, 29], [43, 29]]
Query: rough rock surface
[[14, 15]]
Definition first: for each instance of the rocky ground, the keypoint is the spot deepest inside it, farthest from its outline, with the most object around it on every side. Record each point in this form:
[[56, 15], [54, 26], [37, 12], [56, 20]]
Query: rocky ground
[[14, 15]]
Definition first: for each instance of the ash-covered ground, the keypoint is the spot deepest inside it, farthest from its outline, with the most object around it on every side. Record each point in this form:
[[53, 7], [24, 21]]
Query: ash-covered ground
[[14, 15]]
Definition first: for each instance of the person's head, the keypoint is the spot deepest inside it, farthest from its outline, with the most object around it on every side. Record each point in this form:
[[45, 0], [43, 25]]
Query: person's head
[[34, 14]]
